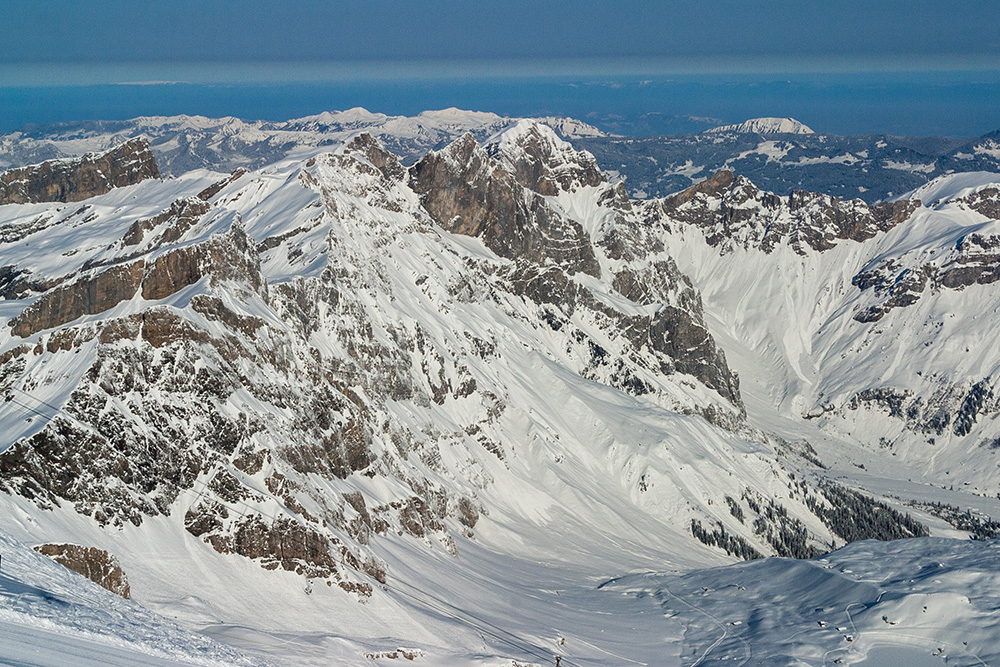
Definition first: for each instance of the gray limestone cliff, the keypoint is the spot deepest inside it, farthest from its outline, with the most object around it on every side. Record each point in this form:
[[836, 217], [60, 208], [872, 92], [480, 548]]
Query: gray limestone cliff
[[70, 180]]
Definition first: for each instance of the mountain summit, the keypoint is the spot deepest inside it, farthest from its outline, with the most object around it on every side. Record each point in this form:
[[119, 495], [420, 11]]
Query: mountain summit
[[766, 126]]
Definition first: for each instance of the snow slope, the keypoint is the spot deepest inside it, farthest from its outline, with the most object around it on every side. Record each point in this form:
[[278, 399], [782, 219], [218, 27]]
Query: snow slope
[[51, 616], [406, 422], [870, 603], [836, 336]]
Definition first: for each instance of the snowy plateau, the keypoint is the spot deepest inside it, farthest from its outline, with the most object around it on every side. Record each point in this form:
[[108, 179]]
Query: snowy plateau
[[359, 389]]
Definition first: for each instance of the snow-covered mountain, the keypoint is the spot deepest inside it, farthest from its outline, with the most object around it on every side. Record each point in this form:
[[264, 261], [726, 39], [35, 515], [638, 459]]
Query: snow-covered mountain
[[870, 167], [51, 616], [571, 128], [184, 143], [764, 126], [773, 152], [427, 410], [878, 319]]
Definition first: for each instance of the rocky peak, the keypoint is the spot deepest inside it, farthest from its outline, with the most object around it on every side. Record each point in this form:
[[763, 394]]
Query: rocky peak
[[985, 202], [372, 150], [82, 178], [543, 162], [731, 209], [723, 185], [467, 192]]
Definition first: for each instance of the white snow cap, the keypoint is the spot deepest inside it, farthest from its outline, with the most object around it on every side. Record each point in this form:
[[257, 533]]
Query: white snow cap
[[766, 126], [953, 186]]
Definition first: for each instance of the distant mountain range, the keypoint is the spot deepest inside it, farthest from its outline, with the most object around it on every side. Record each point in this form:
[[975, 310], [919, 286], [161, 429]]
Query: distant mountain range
[[778, 154], [765, 126], [782, 155]]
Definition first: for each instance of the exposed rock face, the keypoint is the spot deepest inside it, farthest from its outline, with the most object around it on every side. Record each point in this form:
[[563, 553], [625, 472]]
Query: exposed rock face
[[96, 564], [369, 147], [467, 193], [79, 179], [84, 297], [977, 261], [170, 224], [215, 188], [953, 408], [238, 409], [897, 282], [732, 210], [228, 256], [985, 201], [687, 342], [16, 283], [542, 162]]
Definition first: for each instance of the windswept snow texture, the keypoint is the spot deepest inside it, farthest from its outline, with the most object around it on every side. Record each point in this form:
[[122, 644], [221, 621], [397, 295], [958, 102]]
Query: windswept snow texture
[[870, 603], [51, 616]]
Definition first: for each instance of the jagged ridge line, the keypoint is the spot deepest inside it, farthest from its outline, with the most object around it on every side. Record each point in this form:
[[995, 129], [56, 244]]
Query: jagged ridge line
[[523, 646]]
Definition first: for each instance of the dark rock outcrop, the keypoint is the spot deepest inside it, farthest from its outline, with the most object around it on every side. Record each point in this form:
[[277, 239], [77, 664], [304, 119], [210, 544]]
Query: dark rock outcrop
[[731, 209], [83, 297], [231, 256], [955, 407], [896, 283], [985, 202], [222, 257], [216, 188], [79, 179], [96, 564], [369, 147], [466, 192], [172, 223], [688, 345]]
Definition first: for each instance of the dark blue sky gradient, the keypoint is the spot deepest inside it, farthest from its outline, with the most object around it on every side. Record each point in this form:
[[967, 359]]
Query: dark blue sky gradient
[[199, 31]]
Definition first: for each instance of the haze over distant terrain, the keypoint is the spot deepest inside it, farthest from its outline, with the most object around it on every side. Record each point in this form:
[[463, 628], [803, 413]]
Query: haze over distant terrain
[[904, 68], [919, 104]]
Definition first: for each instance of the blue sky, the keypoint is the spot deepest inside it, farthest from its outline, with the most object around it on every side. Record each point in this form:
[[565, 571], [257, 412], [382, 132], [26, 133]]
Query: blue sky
[[851, 66], [63, 42]]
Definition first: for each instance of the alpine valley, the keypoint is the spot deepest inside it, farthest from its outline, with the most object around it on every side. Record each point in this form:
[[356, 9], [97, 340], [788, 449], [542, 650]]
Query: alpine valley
[[361, 389]]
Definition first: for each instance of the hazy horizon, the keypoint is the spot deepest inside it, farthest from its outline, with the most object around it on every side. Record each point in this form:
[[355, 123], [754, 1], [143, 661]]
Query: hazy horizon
[[956, 104], [918, 67]]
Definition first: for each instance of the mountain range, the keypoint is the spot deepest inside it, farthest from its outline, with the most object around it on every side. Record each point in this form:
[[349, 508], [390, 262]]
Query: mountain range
[[442, 387]]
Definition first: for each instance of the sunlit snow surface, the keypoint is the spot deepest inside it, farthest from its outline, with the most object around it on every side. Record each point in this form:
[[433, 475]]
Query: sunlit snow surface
[[882, 600], [51, 616], [561, 564], [869, 603]]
